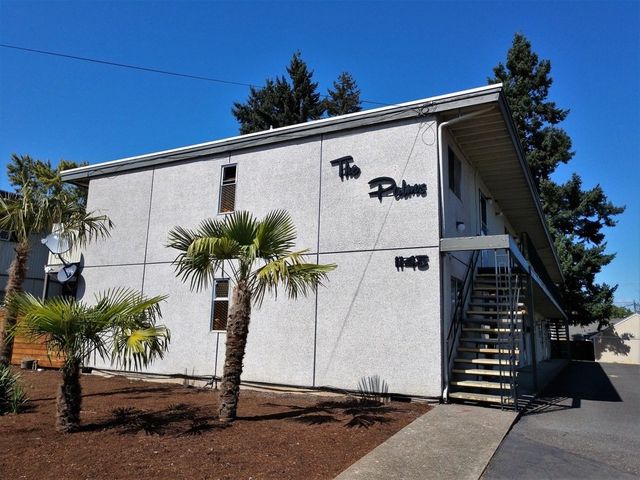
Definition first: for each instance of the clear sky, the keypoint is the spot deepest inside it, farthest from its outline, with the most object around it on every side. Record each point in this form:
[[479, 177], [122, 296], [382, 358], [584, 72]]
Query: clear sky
[[53, 108]]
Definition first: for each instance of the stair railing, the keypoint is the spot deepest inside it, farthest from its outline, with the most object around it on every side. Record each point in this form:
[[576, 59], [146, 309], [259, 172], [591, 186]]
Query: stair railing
[[513, 323], [456, 318]]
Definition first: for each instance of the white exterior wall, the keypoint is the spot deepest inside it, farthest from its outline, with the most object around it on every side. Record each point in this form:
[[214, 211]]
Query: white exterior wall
[[619, 343], [370, 319]]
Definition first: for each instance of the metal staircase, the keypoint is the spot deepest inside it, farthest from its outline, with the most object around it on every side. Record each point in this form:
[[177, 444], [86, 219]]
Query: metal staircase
[[484, 365]]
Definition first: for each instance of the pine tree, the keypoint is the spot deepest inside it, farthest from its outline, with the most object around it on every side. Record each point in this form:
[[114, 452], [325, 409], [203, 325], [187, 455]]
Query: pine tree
[[575, 216], [280, 102], [306, 98], [345, 96]]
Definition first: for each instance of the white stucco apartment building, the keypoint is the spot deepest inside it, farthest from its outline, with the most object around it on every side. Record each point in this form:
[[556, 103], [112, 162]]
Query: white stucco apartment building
[[458, 246]]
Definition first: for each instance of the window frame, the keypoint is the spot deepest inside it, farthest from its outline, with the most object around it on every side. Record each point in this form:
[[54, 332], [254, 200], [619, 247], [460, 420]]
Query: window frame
[[223, 184], [455, 173], [215, 299], [484, 214]]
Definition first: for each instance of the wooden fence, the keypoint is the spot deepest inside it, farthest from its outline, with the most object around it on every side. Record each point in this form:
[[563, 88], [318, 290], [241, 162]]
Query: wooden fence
[[24, 349]]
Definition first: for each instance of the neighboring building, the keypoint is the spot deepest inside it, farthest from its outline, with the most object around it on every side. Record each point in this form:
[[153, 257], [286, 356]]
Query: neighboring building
[[34, 280], [34, 283], [619, 342], [446, 271]]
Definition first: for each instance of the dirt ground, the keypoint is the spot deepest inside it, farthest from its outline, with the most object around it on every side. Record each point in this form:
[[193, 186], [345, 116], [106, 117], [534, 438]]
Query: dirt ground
[[143, 430]]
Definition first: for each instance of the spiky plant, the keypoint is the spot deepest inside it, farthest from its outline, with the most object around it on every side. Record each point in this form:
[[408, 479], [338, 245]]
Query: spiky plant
[[119, 326]]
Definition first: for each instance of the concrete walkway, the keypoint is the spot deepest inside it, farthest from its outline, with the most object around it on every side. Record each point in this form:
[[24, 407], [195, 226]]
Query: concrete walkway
[[450, 442]]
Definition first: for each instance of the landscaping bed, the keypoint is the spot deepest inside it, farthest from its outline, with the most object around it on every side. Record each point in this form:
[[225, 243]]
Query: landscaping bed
[[145, 430]]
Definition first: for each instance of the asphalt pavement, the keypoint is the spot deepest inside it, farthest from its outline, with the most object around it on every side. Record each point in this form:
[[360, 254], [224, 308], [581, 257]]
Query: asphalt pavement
[[585, 426]]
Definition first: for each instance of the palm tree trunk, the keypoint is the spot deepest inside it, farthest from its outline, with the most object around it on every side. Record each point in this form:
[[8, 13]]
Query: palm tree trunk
[[237, 332], [17, 274], [69, 397]]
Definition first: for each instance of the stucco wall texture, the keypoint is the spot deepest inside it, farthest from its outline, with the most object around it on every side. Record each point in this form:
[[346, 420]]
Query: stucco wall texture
[[370, 319]]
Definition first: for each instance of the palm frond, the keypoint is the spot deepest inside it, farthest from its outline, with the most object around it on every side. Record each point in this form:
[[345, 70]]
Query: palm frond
[[77, 330], [275, 235], [240, 227], [196, 268], [292, 272]]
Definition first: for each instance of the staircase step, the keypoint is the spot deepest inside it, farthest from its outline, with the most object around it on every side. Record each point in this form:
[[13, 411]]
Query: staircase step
[[493, 304], [489, 288], [481, 384], [488, 340], [494, 312], [492, 331], [480, 397], [503, 321], [484, 361], [484, 295], [497, 351], [483, 372]]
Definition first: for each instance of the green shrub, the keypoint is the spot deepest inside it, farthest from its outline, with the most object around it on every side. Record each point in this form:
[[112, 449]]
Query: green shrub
[[12, 395]]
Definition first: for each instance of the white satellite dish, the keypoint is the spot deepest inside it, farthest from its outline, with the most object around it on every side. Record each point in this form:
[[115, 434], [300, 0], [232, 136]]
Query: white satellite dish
[[67, 272], [56, 243]]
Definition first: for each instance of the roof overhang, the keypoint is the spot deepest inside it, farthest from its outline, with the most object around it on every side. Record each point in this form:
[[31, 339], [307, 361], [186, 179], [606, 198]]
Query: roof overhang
[[417, 108], [490, 143]]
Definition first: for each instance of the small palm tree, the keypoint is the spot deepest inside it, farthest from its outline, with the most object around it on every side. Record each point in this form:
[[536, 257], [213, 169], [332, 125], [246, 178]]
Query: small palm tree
[[121, 326], [41, 202], [259, 256]]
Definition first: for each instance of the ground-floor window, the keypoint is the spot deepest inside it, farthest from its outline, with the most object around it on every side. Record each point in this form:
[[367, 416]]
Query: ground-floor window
[[220, 309]]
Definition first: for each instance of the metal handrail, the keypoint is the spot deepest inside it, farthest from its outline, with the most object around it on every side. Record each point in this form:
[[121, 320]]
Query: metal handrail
[[454, 325]]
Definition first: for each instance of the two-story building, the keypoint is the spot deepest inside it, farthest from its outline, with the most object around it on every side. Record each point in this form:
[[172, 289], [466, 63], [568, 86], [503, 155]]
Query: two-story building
[[447, 275]]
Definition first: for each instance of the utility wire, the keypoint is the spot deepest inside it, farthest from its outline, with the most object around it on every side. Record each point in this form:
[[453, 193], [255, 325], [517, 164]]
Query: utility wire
[[152, 70]]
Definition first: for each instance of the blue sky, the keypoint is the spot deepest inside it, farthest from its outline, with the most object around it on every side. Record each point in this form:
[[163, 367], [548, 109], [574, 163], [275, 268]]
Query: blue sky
[[54, 108]]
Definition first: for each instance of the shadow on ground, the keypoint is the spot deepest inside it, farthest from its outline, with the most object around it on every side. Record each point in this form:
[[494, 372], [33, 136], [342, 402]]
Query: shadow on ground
[[578, 381], [358, 413], [185, 420]]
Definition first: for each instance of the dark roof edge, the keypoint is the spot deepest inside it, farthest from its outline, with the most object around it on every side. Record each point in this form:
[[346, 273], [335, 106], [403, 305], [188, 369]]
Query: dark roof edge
[[506, 112], [411, 109]]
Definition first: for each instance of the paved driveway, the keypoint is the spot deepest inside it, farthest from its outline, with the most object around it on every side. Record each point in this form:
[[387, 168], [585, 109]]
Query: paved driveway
[[587, 426]]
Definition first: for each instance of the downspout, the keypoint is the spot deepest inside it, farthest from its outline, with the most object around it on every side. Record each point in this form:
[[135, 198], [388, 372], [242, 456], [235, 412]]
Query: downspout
[[445, 392]]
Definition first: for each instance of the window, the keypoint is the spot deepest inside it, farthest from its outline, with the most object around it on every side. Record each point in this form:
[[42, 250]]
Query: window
[[220, 309], [228, 189], [484, 227], [456, 293], [455, 173], [5, 236]]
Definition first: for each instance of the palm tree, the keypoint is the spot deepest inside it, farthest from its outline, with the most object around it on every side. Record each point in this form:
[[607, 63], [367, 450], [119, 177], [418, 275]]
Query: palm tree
[[121, 326], [41, 202], [258, 255]]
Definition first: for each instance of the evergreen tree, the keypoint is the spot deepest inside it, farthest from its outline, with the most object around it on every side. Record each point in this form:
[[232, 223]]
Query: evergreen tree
[[279, 102], [345, 96], [308, 105], [575, 216]]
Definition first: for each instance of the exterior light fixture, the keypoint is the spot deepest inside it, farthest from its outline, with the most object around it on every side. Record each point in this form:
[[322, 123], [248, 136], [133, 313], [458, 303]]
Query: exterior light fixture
[[460, 227]]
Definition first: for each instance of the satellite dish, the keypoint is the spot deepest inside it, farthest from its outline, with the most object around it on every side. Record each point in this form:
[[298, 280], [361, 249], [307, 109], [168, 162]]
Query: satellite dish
[[56, 243], [67, 272]]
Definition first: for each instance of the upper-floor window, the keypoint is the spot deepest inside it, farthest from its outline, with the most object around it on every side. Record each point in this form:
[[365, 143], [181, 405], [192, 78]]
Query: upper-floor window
[[484, 226], [228, 189], [455, 173]]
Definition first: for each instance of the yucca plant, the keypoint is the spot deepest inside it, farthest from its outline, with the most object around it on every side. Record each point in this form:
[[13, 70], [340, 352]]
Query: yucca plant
[[12, 394], [119, 326], [259, 256]]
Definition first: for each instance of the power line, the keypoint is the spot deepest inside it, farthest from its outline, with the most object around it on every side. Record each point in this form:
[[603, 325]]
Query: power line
[[151, 70], [125, 65]]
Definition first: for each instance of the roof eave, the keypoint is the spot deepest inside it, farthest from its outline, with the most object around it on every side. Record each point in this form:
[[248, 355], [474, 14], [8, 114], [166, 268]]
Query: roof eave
[[427, 106]]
